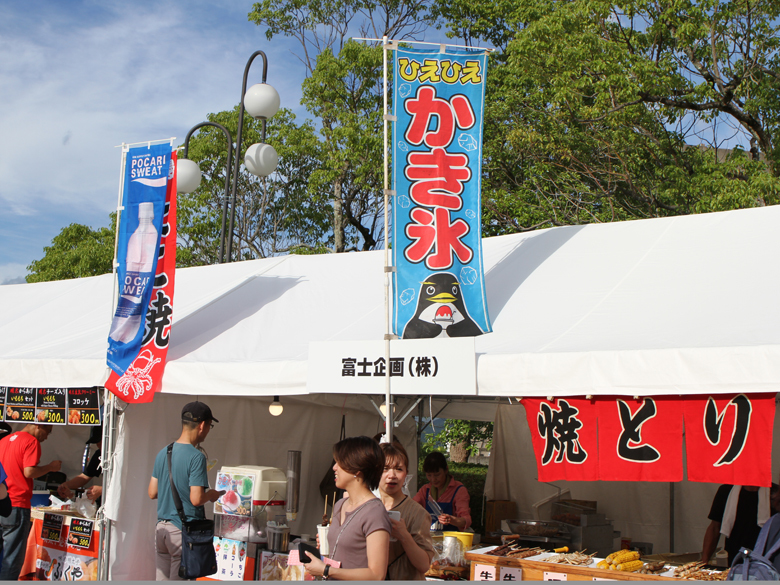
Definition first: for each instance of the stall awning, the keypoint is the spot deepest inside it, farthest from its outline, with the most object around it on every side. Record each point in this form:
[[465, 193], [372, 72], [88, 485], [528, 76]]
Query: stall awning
[[680, 305]]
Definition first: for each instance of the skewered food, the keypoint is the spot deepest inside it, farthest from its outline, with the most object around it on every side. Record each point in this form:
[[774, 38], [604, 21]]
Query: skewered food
[[575, 558]]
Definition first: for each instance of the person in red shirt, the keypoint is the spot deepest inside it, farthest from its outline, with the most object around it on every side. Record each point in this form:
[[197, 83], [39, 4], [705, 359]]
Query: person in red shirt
[[20, 454]]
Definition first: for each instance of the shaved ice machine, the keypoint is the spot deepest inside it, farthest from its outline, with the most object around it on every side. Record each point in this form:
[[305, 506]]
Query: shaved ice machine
[[254, 495]]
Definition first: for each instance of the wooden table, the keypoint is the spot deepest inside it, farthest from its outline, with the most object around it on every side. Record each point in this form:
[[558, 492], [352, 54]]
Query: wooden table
[[535, 570]]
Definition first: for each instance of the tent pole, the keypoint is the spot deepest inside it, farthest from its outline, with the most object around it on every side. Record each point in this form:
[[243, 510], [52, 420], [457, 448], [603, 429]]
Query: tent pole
[[106, 461], [671, 516]]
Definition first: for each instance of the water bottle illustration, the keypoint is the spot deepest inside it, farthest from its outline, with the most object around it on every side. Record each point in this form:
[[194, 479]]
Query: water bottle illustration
[[142, 248]]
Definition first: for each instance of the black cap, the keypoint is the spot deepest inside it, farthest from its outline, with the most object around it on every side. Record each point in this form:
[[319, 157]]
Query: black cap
[[196, 412]]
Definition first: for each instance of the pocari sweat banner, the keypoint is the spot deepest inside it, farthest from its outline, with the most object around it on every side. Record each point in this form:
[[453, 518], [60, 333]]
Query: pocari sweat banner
[[438, 102], [147, 170]]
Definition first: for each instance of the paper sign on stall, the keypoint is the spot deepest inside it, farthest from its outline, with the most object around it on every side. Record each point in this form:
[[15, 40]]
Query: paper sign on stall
[[19, 405], [510, 574], [484, 573], [550, 576], [231, 559], [80, 534], [52, 527], [83, 407], [51, 405]]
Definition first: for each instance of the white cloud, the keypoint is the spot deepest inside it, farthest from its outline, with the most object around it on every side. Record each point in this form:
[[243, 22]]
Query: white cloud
[[78, 78], [12, 273]]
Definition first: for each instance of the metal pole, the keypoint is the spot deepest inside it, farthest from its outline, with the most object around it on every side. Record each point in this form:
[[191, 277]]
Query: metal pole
[[228, 164], [671, 516], [237, 162], [388, 267]]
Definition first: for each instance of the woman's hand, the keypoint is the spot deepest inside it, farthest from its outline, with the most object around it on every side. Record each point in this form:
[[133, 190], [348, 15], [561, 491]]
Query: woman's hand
[[454, 520], [315, 566], [400, 532]]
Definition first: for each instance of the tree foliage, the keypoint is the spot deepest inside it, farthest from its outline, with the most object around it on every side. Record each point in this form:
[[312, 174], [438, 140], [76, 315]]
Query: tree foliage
[[75, 252], [273, 215], [343, 91], [467, 435], [602, 111]]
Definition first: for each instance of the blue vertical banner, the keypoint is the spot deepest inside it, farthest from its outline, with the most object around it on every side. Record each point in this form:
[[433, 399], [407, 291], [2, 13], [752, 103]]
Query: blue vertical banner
[[438, 103], [147, 170]]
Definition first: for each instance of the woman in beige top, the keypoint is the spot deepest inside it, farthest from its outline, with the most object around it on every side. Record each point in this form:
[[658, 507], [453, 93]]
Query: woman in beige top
[[412, 551], [359, 535]]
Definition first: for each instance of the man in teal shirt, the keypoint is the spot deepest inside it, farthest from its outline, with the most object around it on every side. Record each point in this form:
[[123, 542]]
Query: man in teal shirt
[[188, 466]]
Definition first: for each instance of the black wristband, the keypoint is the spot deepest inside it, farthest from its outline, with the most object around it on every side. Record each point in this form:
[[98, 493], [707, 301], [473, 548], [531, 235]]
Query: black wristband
[[325, 572]]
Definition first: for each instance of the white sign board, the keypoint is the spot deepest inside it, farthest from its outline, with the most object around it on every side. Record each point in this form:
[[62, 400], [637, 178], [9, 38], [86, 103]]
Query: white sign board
[[484, 572], [416, 366], [510, 574]]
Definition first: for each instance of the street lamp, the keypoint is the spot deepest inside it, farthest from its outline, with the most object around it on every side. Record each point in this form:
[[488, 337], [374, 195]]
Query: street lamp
[[188, 176], [261, 102]]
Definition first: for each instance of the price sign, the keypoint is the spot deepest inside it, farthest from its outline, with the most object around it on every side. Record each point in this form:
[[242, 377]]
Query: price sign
[[550, 576], [83, 407], [484, 572], [510, 574], [51, 406], [52, 527], [80, 534], [19, 405]]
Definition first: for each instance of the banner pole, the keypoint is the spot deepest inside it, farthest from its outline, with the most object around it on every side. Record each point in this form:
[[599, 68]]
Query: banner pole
[[388, 266]]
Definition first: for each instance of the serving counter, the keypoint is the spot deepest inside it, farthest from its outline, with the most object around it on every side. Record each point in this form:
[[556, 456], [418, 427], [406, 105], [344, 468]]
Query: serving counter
[[485, 567]]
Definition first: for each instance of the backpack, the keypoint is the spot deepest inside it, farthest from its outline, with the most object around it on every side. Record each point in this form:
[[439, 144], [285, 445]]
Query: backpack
[[756, 565]]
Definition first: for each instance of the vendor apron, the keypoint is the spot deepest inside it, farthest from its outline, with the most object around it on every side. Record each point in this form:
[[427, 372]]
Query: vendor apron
[[446, 507]]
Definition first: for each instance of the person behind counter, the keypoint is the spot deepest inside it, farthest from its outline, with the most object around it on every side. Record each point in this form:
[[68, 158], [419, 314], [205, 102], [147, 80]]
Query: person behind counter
[[359, 536], [738, 512], [412, 552], [20, 455], [90, 468], [188, 469], [451, 495]]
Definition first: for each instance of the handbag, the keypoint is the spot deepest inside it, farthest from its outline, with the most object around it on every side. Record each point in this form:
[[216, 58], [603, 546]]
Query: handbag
[[198, 558], [328, 483]]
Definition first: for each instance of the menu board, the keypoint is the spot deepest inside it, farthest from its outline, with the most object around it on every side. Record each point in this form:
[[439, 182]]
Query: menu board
[[51, 406], [80, 534], [83, 407], [237, 499], [52, 527], [19, 405], [3, 390]]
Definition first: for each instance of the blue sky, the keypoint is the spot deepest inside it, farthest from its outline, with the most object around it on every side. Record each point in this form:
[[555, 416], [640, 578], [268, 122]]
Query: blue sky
[[78, 78]]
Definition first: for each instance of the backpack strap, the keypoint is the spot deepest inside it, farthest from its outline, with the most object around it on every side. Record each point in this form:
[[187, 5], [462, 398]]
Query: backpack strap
[[773, 522], [174, 491], [763, 536]]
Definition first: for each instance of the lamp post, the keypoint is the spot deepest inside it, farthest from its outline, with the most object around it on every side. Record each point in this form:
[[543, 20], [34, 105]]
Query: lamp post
[[189, 176], [261, 101]]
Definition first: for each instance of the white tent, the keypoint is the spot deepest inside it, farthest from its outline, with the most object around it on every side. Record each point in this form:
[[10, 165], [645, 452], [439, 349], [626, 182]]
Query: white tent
[[665, 306]]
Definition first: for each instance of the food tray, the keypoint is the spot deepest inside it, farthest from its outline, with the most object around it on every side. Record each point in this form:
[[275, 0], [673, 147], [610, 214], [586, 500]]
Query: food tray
[[537, 528]]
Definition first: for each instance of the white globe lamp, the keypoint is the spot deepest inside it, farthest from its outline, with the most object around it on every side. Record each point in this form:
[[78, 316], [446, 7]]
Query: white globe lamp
[[261, 159], [276, 408], [261, 101], [188, 175]]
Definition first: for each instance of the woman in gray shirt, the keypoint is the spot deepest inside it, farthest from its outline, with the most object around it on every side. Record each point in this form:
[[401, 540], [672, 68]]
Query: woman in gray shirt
[[359, 537]]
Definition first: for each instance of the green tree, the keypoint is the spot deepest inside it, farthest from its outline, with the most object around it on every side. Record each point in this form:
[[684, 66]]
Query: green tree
[[274, 215], [75, 252], [343, 91], [602, 111], [464, 438]]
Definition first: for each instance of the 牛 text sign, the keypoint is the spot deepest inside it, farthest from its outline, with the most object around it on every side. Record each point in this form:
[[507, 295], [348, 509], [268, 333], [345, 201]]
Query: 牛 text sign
[[416, 366]]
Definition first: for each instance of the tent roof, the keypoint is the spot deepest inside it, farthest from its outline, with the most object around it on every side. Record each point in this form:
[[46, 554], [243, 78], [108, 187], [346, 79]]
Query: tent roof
[[662, 306]]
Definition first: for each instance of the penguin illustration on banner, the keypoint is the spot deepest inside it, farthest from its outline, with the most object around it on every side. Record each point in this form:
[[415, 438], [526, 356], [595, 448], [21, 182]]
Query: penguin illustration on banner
[[441, 311]]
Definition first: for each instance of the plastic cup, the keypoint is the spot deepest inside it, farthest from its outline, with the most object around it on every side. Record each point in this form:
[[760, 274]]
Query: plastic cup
[[322, 532]]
